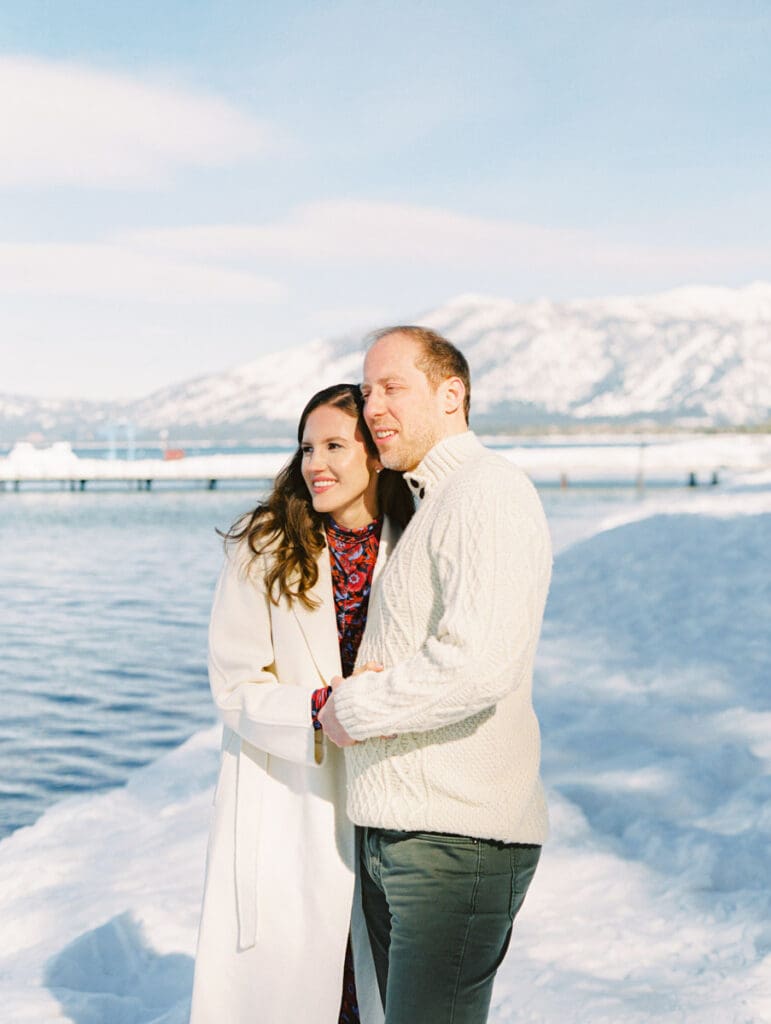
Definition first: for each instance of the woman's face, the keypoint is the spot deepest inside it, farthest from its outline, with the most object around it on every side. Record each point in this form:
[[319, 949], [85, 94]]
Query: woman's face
[[338, 470]]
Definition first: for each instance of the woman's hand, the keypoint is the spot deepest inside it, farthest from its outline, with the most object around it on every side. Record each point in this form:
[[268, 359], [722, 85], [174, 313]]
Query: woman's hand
[[371, 666]]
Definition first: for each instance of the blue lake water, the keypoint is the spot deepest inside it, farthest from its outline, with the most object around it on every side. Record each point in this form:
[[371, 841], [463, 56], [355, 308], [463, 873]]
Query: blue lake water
[[106, 598], [105, 605]]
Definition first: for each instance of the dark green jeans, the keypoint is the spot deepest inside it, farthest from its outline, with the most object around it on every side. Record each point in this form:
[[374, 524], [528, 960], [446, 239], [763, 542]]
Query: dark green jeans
[[439, 911]]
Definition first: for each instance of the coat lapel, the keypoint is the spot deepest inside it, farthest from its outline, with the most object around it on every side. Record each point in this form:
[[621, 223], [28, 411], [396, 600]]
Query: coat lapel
[[319, 625]]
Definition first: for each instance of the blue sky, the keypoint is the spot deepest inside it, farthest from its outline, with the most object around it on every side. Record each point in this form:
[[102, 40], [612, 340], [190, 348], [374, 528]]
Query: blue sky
[[184, 186]]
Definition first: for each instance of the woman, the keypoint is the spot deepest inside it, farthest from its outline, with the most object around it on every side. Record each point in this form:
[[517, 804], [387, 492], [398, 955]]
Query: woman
[[288, 615]]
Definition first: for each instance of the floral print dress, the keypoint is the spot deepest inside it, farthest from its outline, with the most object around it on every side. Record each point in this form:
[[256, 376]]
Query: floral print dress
[[352, 554]]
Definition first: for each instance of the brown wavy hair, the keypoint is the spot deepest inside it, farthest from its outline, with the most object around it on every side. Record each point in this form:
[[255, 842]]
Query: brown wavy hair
[[288, 528]]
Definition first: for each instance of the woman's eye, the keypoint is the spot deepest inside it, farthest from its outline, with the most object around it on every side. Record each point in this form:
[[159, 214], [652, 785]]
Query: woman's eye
[[306, 450]]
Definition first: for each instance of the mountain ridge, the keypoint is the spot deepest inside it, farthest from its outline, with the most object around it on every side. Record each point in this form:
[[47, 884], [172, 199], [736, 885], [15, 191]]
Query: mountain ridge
[[692, 356]]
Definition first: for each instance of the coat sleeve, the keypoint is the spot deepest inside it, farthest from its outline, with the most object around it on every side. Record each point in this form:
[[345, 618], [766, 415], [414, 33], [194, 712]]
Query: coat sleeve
[[250, 700]]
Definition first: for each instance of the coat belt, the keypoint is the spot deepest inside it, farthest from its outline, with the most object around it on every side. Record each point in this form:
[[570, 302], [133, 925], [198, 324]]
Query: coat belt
[[249, 785]]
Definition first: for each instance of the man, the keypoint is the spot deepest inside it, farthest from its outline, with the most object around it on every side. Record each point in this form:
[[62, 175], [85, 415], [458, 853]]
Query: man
[[444, 749]]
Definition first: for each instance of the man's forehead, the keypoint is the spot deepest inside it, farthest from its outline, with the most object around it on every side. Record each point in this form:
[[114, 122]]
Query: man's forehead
[[394, 340], [392, 356], [391, 372]]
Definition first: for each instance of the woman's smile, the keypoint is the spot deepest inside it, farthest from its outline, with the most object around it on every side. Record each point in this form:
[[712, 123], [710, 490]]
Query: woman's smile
[[322, 483], [338, 470]]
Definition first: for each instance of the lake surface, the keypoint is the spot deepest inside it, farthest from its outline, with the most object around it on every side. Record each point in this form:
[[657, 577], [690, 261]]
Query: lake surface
[[105, 605]]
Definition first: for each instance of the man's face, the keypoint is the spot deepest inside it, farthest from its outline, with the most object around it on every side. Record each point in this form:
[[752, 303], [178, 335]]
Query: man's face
[[402, 410]]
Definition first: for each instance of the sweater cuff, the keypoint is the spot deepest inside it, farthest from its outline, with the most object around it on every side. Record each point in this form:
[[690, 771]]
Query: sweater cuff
[[347, 706]]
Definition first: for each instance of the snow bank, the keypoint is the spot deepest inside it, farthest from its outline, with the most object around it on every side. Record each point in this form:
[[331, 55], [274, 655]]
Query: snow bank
[[26, 462], [653, 898], [99, 899], [59, 462]]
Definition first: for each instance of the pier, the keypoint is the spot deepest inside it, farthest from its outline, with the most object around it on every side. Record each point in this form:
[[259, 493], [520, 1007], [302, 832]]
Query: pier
[[692, 461], [58, 466]]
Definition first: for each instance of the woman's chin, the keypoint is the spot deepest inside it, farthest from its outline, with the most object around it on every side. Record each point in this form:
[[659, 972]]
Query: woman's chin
[[321, 503]]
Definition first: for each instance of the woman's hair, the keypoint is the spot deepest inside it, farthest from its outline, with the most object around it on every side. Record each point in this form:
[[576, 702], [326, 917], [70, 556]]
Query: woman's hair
[[287, 526]]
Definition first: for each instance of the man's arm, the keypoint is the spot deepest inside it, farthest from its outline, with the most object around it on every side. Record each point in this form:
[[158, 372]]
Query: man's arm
[[493, 567], [327, 715]]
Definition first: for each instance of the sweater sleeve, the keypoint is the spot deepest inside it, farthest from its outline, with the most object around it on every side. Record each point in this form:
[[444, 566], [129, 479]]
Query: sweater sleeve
[[492, 568], [249, 698]]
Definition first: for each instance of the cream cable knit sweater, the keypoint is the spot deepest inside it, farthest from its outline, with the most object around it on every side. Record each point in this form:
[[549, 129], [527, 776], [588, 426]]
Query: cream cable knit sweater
[[455, 621]]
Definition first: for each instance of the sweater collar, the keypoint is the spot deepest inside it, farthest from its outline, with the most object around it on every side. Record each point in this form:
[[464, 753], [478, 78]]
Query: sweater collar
[[347, 533], [442, 460]]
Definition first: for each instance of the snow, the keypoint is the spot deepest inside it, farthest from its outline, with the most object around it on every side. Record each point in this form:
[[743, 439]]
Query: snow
[[653, 690], [652, 901], [691, 352], [25, 461], [100, 898]]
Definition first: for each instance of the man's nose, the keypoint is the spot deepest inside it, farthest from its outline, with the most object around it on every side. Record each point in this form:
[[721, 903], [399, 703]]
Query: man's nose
[[373, 406]]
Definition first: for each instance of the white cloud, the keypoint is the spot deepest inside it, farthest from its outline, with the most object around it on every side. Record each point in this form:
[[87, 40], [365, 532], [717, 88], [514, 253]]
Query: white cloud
[[396, 234], [363, 254], [66, 124], [349, 230], [116, 270]]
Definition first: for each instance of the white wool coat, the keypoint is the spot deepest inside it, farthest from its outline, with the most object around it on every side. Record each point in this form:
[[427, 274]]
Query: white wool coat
[[279, 896]]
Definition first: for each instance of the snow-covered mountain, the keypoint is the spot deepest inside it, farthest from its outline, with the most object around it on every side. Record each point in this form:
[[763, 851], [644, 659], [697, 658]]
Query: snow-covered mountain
[[53, 418], [699, 356]]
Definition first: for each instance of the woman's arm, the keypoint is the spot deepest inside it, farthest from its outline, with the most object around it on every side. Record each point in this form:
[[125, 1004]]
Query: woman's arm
[[272, 716]]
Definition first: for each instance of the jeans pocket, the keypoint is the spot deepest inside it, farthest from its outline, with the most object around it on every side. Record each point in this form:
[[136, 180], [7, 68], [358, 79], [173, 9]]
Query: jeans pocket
[[524, 861], [445, 839]]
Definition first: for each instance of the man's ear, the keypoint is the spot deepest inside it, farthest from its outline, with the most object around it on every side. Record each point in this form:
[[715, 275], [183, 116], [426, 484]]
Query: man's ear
[[454, 395]]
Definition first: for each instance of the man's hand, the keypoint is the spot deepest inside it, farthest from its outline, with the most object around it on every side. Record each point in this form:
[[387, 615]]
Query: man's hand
[[330, 723], [328, 717]]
